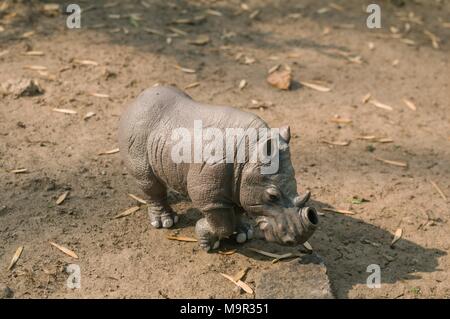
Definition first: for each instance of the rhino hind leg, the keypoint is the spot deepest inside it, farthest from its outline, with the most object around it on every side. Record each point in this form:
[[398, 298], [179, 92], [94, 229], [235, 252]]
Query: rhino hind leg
[[159, 210]]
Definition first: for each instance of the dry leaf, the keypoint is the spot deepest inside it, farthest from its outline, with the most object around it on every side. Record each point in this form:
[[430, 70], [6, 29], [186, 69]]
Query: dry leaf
[[340, 120], [366, 98], [128, 212], [61, 198], [182, 238], [88, 115], [280, 79], [385, 140], [254, 14], [240, 274], [439, 190], [178, 31], [272, 255], [64, 250], [239, 283], [113, 151], [214, 12], [410, 104], [16, 257], [408, 41], [242, 84], [192, 85], [316, 87], [398, 234], [185, 70], [339, 211], [274, 68], [140, 200], [35, 67], [85, 62], [101, 95], [344, 143], [28, 34], [19, 170], [66, 111], [153, 31], [200, 40], [367, 137], [228, 252], [396, 163], [381, 105], [34, 53]]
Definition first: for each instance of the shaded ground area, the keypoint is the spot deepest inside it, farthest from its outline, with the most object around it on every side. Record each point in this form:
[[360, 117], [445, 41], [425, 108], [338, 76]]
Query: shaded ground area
[[134, 46]]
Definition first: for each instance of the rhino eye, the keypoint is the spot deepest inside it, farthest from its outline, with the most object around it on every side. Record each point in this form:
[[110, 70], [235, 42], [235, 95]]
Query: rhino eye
[[272, 194]]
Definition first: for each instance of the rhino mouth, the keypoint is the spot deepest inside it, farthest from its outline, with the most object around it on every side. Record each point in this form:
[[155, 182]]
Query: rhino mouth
[[290, 228]]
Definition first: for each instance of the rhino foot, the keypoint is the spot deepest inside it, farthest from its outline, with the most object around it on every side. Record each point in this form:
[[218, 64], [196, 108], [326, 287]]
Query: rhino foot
[[161, 216], [207, 240], [244, 233]]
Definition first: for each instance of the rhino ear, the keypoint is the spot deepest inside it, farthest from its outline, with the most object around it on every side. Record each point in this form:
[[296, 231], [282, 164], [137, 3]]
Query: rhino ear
[[285, 133]]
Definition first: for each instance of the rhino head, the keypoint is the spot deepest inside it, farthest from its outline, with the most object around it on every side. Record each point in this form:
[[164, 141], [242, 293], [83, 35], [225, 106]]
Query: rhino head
[[280, 212]]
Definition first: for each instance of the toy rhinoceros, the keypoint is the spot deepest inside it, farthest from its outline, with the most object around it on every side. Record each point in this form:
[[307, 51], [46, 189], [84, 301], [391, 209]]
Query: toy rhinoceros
[[224, 190]]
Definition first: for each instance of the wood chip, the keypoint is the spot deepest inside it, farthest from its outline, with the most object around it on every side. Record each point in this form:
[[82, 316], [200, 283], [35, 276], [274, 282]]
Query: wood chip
[[239, 283], [395, 62], [339, 211], [280, 79], [19, 170], [182, 238], [15, 258], [408, 41], [439, 190], [28, 34], [366, 98], [128, 212], [192, 85], [337, 143], [88, 115], [64, 250], [140, 200], [66, 111], [34, 53], [61, 198], [316, 87], [381, 105], [35, 67], [398, 234], [242, 84], [395, 163], [434, 38], [410, 104], [200, 40], [101, 95], [113, 151]]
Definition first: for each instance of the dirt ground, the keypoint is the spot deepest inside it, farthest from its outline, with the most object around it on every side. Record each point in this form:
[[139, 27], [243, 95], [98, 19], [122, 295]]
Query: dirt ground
[[323, 42]]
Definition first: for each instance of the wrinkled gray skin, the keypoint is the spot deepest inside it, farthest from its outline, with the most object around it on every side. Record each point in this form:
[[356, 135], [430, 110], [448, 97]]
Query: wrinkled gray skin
[[222, 191]]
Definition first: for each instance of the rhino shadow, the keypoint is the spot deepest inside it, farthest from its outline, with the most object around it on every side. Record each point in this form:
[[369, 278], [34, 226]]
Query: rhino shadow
[[347, 245]]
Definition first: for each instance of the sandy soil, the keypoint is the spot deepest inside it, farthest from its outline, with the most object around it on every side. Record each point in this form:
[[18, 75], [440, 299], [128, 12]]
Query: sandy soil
[[126, 257]]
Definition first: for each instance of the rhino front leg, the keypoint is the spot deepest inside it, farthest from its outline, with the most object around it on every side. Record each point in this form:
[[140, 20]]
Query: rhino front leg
[[216, 225]]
